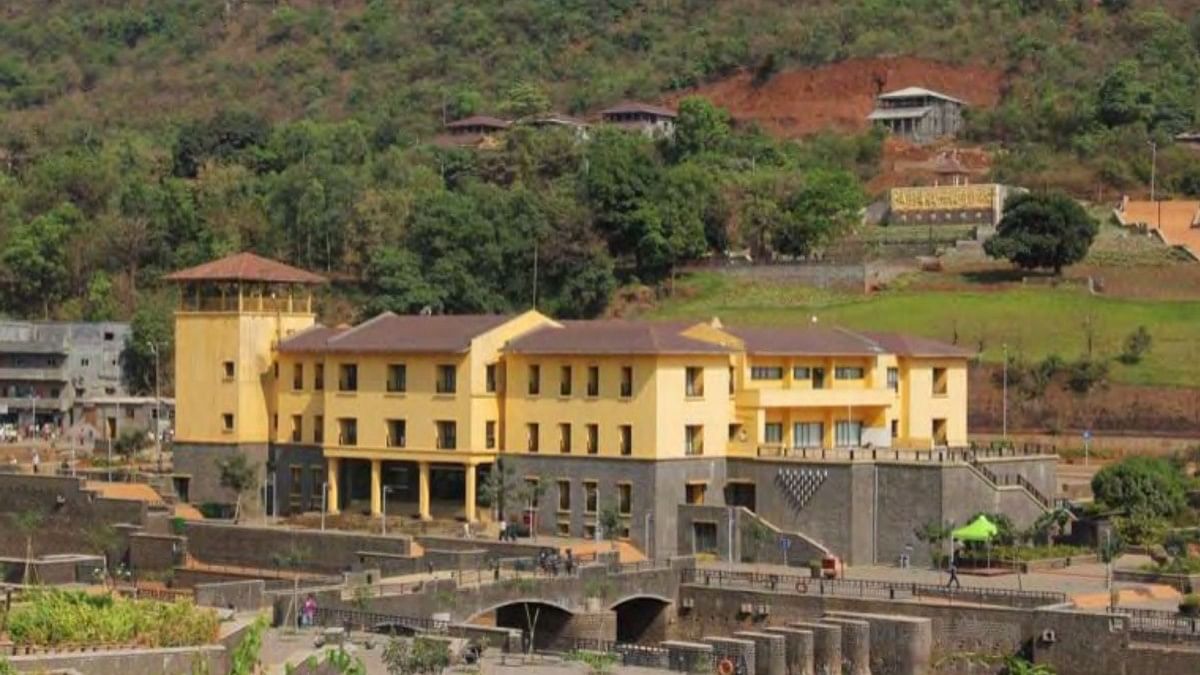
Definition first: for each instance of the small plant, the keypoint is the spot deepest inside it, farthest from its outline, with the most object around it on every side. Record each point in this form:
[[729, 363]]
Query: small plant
[[1190, 605], [419, 655], [596, 662], [1137, 345], [814, 568], [245, 657]]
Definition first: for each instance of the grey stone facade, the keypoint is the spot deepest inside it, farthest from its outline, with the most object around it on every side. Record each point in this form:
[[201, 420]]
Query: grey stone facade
[[198, 463]]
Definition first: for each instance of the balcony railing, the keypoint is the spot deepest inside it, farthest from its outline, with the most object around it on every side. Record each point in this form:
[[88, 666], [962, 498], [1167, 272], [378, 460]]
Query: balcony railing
[[32, 374]]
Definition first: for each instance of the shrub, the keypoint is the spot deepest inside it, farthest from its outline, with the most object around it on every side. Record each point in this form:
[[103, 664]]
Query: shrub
[[1146, 484], [1190, 604], [1137, 344], [54, 617]]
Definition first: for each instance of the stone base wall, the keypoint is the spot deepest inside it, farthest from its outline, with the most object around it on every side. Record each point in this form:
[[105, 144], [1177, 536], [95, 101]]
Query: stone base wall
[[325, 552], [200, 462]]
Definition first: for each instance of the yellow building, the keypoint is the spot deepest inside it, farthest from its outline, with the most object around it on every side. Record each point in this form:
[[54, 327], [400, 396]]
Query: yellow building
[[409, 414]]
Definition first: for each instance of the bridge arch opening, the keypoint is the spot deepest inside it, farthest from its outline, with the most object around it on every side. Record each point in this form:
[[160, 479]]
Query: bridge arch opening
[[642, 619], [542, 622]]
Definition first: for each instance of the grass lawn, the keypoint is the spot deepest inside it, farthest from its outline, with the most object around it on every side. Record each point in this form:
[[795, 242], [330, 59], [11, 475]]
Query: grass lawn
[[1032, 321]]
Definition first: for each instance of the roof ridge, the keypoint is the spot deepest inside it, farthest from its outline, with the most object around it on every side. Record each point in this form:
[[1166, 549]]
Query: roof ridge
[[369, 322]]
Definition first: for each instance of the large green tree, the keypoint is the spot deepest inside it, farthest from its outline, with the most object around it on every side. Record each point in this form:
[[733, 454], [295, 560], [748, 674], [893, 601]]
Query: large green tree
[[1148, 485], [827, 205], [1042, 230], [35, 257]]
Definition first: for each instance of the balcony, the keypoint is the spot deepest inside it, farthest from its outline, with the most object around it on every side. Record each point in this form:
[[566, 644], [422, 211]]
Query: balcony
[[24, 403], [815, 398], [33, 374]]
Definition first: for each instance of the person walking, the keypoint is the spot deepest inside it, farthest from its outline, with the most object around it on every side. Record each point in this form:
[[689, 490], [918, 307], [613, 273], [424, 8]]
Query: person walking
[[308, 613], [953, 576]]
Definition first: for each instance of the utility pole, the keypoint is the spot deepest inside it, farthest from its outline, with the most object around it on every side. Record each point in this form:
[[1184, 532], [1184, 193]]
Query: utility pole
[[324, 503], [383, 511], [1153, 168], [157, 410], [1004, 427]]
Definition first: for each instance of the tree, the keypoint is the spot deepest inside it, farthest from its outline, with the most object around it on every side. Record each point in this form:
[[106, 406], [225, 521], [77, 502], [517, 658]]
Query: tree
[[239, 475], [524, 99], [1043, 230], [395, 284], [99, 304], [151, 325], [1052, 524], [35, 257], [28, 523], [933, 533], [1137, 344], [699, 128], [498, 487], [292, 559], [416, 656], [1123, 97], [610, 522], [102, 539], [828, 204], [130, 442], [534, 489], [1146, 484]]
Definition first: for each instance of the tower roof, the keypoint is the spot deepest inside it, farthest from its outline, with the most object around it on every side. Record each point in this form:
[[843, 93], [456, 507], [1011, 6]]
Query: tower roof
[[246, 267]]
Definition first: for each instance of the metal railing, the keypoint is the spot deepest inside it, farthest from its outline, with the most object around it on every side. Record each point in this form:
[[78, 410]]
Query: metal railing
[[868, 588], [1013, 479], [1159, 625], [378, 622], [969, 453]]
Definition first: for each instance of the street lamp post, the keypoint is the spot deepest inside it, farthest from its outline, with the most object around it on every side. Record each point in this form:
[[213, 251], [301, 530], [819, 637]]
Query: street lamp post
[[383, 511], [1153, 167], [157, 409]]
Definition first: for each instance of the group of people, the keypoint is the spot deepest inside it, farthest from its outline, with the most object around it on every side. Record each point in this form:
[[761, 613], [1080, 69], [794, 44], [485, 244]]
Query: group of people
[[508, 531], [550, 562]]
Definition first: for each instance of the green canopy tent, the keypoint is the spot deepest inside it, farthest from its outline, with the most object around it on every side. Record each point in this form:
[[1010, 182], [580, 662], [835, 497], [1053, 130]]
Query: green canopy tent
[[980, 529]]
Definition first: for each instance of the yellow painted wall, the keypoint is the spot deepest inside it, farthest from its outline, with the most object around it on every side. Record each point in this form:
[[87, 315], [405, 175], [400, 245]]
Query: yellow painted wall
[[921, 406]]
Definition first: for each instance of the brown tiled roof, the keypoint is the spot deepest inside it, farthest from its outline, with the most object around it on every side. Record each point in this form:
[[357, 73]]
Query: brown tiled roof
[[388, 332], [312, 339], [612, 336], [479, 121], [916, 346], [246, 267], [803, 340], [635, 107]]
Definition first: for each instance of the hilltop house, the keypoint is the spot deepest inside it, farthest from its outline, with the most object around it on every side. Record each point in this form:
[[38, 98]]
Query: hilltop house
[[651, 120], [919, 115]]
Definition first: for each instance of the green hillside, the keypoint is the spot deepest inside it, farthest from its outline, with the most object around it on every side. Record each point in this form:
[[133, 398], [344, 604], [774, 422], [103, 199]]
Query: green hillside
[[140, 136]]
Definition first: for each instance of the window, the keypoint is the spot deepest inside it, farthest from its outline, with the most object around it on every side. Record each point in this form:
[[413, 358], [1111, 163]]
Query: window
[[593, 439], [589, 531], [319, 376], [766, 373], [564, 495], [773, 432], [447, 379], [893, 379], [531, 437], [447, 435], [694, 493], [83, 362], [397, 377], [228, 366], [275, 370], [489, 434], [564, 439], [590, 496], [128, 411], [626, 439], [939, 432], [397, 433], [847, 373], [735, 430], [296, 486], [693, 439], [564, 529], [347, 431], [808, 435], [227, 421], [801, 373], [818, 378], [348, 377], [489, 379], [297, 428], [593, 381], [624, 499], [298, 376], [108, 336], [626, 381], [939, 382], [694, 381], [732, 379], [564, 381], [531, 484], [895, 428], [319, 429], [535, 380], [848, 434]]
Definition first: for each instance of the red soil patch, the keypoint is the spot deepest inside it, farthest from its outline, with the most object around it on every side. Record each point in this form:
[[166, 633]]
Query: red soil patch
[[839, 96], [905, 164]]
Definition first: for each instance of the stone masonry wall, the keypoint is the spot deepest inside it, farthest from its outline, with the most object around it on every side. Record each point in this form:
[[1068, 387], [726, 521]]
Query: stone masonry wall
[[327, 552]]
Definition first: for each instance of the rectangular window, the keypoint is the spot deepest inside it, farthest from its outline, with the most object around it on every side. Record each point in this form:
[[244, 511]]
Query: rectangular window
[[531, 437], [624, 499], [274, 421], [535, 380], [801, 373], [893, 379], [895, 428], [564, 529], [297, 428], [939, 432], [847, 373], [766, 373], [732, 380], [298, 377], [489, 434], [818, 378], [564, 495], [447, 435], [808, 435], [128, 411], [348, 377], [693, 439], [694, 381], [735, 430], [227, 421], [564, 381], [228, 369], [296, 486], [447, 379], [591, 493], [564, 439], [347, 431], [694, 493], [626, 439], [593, 439], [593, 381], [773, 432], [397, 433], [848, 434], [319, 429], [940, 384], [397, 377], [626, 381], [275, 370], [489, 378], [532, 485], [319, 376]]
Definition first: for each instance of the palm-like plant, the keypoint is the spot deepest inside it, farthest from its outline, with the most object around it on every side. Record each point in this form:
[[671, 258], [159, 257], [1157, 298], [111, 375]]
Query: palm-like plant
[[27, 523]]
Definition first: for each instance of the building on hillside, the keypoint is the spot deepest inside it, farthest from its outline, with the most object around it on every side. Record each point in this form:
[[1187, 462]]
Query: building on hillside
[[1189, 139], [1174, 221], [919, 115], [659, 422], [111, 416], [651, 120], [555, 120], [959, 203], [45, 367], [478, 131]]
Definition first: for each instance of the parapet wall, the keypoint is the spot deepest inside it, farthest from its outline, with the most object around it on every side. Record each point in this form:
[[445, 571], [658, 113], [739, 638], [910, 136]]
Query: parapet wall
[[324, 552], [68, 513]]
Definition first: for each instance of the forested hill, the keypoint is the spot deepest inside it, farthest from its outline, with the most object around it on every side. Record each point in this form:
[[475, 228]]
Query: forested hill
[[138, 136]]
